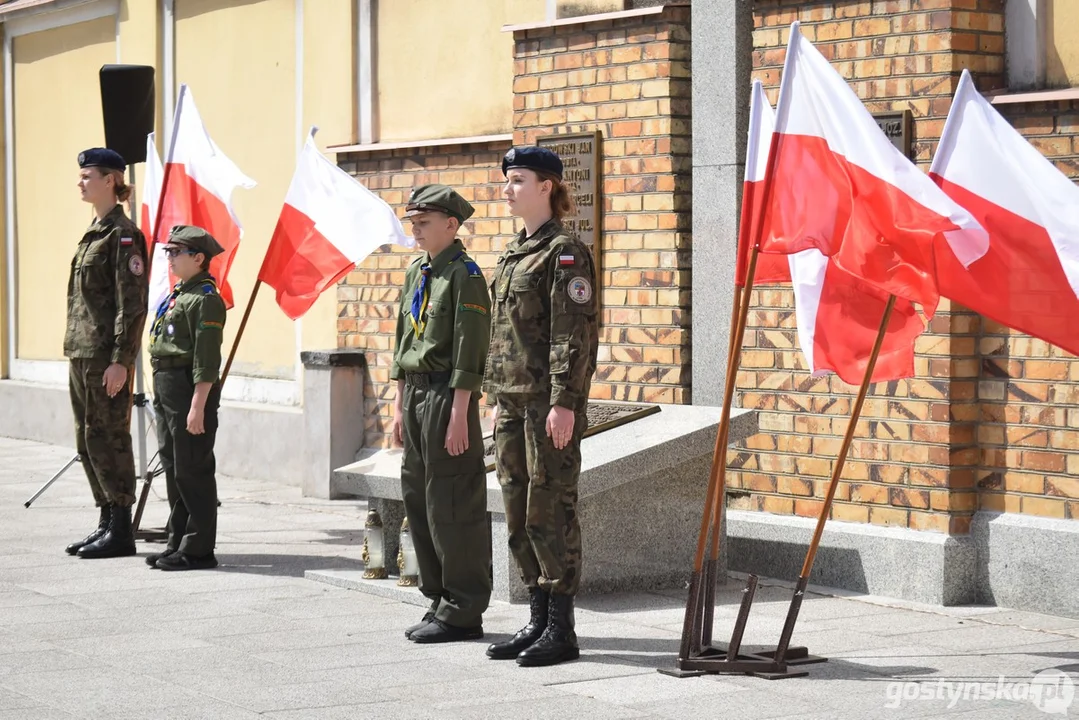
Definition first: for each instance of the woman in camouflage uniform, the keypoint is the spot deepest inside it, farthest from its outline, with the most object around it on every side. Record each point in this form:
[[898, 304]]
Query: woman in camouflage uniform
[[106, 309], [544, 339]]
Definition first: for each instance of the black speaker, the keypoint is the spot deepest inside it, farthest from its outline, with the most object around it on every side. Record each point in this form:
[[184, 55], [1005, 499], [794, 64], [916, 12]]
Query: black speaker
[[127, 104]]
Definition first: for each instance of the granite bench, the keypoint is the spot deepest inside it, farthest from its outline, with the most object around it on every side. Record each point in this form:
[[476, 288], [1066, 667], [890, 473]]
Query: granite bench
[[641, 491]]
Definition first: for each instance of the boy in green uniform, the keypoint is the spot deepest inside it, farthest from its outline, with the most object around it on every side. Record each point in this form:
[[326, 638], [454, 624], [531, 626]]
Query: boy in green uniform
[[443, 330], [185, 352]]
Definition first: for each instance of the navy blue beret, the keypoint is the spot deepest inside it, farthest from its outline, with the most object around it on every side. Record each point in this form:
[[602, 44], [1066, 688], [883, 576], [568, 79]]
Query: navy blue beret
[[533, 157], [103, 158]]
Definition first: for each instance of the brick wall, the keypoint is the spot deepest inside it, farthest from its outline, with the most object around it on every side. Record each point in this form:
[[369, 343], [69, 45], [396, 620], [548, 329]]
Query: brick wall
[[369, 297], [985, 422], [1029, 429], [628, 78]]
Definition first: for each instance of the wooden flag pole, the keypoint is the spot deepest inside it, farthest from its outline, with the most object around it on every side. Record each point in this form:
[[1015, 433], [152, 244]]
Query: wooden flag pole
[[720, 467], [837, 471], [240, 332], [694, 603], [701, 600]]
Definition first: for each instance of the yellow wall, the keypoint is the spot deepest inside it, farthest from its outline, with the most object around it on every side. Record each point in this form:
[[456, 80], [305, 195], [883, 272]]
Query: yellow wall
[[4, 369], [140, 42], [443, 73], [1062, 61], [51, 128], [239, 59], [329, 93]]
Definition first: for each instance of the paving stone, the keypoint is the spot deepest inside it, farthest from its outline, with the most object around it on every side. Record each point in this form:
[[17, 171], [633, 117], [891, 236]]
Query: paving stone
[[254, 639]]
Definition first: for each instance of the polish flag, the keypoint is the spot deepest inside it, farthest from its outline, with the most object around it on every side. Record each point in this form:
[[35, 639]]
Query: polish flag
[[838, 315], [199, 180], [1029, 278], [328, 224], [840, 186], [161, 280]]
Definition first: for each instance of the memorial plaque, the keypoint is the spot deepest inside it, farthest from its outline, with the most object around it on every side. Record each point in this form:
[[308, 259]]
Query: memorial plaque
[[896, 125], [581, 169]]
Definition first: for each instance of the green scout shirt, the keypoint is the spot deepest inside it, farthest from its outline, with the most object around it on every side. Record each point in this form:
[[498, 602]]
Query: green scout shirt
[[189, 325], [106, 291], [456, 327], [544, 329]]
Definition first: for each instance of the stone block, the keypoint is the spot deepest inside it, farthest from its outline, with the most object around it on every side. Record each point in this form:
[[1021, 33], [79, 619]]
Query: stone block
[[333, 416], [1027, 562], [667, 454], [896, 562]]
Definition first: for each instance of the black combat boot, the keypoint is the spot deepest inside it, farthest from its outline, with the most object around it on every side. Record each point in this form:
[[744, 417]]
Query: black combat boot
[[118, 540], [102, 526], [558, 642], [538, 605]]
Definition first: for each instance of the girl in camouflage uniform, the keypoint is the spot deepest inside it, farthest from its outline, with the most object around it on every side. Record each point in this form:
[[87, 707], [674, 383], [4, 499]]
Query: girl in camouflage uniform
[[544, 339]]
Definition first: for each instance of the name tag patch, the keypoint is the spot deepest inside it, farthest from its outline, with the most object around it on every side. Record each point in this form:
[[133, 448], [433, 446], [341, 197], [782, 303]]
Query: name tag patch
[[481, 310]]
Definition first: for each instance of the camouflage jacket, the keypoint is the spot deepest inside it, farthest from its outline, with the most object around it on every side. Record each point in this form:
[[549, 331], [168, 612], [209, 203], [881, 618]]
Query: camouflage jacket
[[188, 327], [106, 292], [544, 330]]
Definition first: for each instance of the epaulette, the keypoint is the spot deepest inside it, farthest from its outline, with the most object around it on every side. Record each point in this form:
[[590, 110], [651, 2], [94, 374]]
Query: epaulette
[[208, 288], [473, 269]]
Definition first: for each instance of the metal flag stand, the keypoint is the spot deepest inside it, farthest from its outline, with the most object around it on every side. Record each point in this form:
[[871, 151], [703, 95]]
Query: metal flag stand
[[697, 654]]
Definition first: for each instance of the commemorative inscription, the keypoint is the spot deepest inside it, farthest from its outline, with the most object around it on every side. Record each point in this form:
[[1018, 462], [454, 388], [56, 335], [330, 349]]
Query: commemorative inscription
[[581, 164], [896, 126]]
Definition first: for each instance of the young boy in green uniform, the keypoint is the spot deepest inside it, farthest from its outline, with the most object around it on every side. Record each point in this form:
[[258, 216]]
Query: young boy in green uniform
[[443, 329], [185, 353]]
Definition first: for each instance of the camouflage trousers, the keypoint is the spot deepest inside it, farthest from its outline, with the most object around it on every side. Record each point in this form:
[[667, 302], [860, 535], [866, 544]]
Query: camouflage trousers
[[539, 488], [103, 432], [446, 504]]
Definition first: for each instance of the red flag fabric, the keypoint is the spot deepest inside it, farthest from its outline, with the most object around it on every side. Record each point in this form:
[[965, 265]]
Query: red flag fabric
[[841, 187], [329, 223], [1029, 278], [199, 180], [838, 315]]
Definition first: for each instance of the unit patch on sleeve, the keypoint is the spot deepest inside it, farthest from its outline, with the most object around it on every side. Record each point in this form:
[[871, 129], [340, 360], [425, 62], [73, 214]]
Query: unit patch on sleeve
[[470, 307], [134, 264], [579, 290]]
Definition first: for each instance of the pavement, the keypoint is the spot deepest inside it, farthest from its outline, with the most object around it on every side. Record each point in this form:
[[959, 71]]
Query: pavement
[[254, 639]]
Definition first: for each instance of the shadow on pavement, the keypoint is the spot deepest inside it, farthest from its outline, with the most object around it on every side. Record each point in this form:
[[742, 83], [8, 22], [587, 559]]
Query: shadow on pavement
[[279, 565]]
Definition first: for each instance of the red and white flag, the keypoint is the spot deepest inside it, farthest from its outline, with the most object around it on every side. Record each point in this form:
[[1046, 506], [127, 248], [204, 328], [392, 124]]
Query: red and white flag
[[1029, 278], [838, 315], [328, 224], [840, 186], [199, 180], [161, 280]]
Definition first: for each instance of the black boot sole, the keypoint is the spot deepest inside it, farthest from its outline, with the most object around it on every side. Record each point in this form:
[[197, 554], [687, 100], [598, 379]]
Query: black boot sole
[[112, 553], [572, 654], [509, 653]]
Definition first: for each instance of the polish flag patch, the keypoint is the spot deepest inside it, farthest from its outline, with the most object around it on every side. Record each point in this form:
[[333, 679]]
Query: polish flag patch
[[125, 241], [566, 260]]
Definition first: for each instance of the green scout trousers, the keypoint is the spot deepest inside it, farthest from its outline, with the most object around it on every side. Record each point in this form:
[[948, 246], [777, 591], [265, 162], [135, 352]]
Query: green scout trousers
[[446, 504], [103, 432], [539, 488], [188, 461]]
